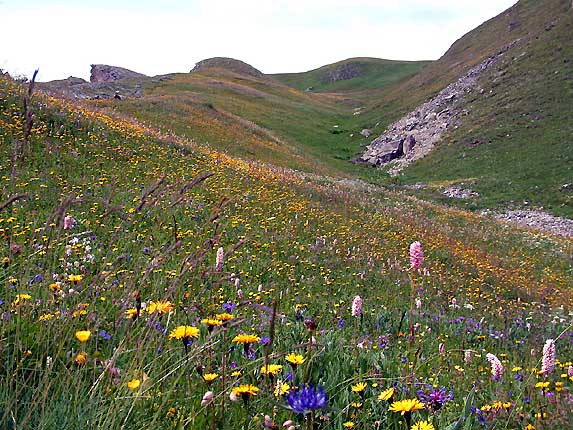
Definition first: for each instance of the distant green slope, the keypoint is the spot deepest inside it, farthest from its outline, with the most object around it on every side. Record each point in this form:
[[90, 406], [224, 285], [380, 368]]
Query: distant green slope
[[255, 118], [354, 74], [518, 137]]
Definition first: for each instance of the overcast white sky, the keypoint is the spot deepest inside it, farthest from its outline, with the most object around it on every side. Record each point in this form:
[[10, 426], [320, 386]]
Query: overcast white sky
[[154, 37]]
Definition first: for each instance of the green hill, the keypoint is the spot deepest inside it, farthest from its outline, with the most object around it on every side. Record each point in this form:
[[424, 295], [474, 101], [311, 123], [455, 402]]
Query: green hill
[[354, 74], [516, 140], [254, 117]]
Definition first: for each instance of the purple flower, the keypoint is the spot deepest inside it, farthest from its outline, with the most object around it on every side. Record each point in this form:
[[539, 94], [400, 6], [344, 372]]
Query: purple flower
[[265, 340], [306, 398], [229, 306], [289, 376], [341, 323], [435, 399], [104, 335]]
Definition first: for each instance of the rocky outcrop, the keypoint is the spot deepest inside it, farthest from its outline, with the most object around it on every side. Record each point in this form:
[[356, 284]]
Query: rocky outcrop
[[415, 135], [343, 72], [540, 220], [231, 64], [455, 192], [106, 82], [105, 73]]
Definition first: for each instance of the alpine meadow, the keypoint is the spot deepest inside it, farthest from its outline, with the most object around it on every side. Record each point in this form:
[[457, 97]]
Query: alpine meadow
[[373, 244]]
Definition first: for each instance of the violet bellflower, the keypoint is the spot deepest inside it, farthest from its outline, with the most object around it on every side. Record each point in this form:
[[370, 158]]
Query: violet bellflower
[[434, 399]]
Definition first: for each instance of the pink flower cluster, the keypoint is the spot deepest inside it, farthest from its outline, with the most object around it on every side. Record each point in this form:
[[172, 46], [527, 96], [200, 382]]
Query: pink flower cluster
[[548, 364], [496, 366], [68, 222], [416, 256], [357, 306], [219, 259]]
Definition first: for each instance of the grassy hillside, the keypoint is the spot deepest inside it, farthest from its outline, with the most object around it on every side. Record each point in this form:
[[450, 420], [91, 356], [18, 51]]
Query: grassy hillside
[[517, 140], [132, 260], [257, 118], [521, 118], [354, 74]]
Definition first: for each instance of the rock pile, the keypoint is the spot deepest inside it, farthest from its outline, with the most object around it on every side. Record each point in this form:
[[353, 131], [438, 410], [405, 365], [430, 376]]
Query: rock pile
[[459, 193], [343, 73], [105, 73], [415, 135], [539, 220]]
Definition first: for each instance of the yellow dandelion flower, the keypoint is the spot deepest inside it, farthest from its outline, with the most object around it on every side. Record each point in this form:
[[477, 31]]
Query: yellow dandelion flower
[[131, 313], [210, 377], [55, 287], [159, 307], [246, 391], [81, 358], [348, 424], [224, 317], [211, 322], [83, 335], [281, 388], [423, 425], [75, 278], [386, 394], [359, 388], [406, 406], [184, 332], [21, 298], [295, 359], [271, 369], [246, 339], [236, 373], [134, 384]]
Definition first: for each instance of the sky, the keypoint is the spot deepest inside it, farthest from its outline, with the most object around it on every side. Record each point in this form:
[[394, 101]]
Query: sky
[[63, 38]]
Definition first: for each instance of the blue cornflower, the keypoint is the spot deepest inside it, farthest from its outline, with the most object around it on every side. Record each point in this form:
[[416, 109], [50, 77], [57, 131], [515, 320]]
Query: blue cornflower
[[306, 398]]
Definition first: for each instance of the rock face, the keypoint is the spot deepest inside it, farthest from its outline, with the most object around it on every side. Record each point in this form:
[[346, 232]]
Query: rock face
[[231, 64], [343, 73], [106, 82], [415, 135], [104, 73]]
